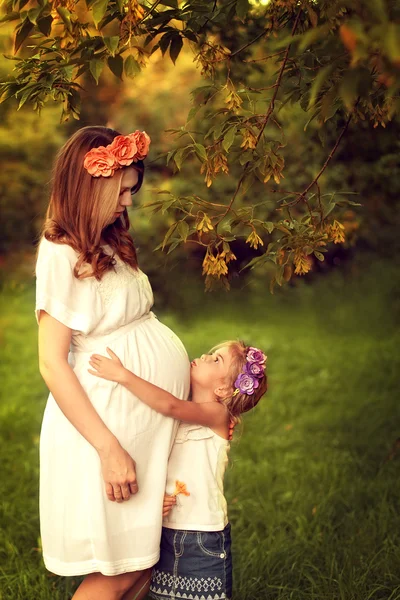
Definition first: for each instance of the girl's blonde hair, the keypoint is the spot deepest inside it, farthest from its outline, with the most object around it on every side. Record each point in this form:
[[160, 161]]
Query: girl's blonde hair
[[81, 206], [238, 402]]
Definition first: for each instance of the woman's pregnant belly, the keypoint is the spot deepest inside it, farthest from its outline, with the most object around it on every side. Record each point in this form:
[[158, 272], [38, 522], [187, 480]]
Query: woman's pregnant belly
[[152, 351]]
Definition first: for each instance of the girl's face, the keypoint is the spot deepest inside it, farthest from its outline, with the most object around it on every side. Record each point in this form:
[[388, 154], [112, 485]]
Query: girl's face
[[129, 182], [211, 371]]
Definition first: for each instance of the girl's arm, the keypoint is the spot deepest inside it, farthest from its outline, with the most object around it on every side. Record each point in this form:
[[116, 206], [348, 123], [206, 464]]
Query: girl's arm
[[118, 467], [211, 414]]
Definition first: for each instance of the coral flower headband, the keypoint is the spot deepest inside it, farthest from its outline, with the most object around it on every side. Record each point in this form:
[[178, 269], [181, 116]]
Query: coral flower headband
[[122, 152]]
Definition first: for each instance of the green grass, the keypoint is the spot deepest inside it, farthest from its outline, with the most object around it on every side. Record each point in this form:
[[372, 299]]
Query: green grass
[[314, 500]]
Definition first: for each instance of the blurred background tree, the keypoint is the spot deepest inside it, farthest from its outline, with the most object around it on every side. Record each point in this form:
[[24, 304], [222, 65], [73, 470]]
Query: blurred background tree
[[297, 95]]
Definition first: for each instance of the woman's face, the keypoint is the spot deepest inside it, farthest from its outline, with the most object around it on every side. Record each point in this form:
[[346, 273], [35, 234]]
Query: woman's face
[[129, 181]]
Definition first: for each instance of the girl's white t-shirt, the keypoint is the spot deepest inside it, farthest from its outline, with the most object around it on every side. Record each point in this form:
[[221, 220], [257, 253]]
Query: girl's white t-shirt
[[198, 459]]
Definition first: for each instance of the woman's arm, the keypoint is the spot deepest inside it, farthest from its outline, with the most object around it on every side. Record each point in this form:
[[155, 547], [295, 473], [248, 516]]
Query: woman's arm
[[118, 467], [211, 414]]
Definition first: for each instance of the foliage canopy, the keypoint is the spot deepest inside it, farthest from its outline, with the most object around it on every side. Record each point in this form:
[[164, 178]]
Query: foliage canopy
[[339, 60]]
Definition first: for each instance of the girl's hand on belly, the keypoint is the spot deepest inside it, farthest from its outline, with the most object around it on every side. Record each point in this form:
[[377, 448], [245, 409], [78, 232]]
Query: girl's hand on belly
[[119, 472], [107, 368]]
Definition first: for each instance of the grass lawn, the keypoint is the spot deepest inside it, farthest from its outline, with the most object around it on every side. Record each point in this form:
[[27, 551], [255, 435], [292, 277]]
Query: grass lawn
[[313, 485]]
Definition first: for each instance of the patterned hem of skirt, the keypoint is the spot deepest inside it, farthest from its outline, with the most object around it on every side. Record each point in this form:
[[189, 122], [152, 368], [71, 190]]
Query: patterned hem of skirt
[[193, 565], [160, 595]]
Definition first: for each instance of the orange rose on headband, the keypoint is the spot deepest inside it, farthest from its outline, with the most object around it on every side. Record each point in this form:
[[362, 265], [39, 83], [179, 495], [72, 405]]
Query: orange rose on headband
[[142, 141], [124, 149], [100, 162], [122, 152]]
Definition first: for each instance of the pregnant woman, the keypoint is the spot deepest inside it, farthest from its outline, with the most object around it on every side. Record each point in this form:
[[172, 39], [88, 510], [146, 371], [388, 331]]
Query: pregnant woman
[[103, 453]]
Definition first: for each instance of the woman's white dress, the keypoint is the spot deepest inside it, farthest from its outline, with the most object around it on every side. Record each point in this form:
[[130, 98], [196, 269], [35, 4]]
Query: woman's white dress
[[82, 531]]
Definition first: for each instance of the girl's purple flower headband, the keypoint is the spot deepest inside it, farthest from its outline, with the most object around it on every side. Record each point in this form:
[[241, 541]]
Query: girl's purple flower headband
[[253, 371]]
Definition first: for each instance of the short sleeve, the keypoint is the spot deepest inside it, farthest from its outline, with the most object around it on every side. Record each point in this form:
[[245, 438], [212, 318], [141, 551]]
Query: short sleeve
[[74, 302]]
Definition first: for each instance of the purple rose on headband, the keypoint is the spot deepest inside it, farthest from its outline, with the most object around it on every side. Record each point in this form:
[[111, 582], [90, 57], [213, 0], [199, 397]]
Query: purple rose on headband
[[246, 383], [254, 355], [255, 369]]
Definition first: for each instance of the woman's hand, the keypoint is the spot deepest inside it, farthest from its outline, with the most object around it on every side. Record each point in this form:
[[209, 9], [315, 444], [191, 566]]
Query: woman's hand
[[168, 505], [119, 473], [107, 368]]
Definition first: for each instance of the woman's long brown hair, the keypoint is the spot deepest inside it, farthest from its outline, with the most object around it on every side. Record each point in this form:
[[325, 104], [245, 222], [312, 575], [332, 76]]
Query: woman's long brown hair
[[81, 206]]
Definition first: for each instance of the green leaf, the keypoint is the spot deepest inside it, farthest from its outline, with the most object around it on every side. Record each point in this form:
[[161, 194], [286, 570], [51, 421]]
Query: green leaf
[[229, 138], [167, 205], [319, 255], [164, 42], [192, 113], [218, 130], [319, 81], [96, 66], [10, 17], [330, 104], [313, 35], [190, 35], [329, 206], [183, 230], [173, 246], [168, 234], [116, 65], [255, 261], [65, 16], [99, 10], [131, 67], [314, 114], [245, 157], [33, 14], [27, 94], [348, 88], [68, 71], [269, 226], [112, 43], [44, 25], [242, 8], [170, 155], [178, 158], [279, 275], [22, 33], [200, 151], [175, 48]]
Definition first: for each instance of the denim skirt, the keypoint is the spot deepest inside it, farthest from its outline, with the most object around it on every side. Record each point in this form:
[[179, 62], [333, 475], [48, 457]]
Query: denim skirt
[[193, 565]]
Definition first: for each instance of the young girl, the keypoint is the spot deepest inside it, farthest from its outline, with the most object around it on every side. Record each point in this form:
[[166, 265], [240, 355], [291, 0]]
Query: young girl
[[195, 559]]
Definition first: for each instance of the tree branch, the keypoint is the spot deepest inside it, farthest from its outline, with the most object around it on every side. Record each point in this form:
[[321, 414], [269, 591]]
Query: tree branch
[[255, 60], [278, 80], [266, 119], [261, 89], [332, 152], [247, 45], [301, 196]]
